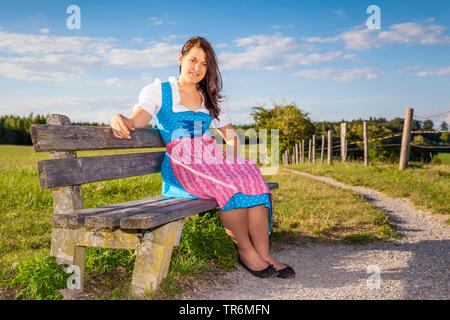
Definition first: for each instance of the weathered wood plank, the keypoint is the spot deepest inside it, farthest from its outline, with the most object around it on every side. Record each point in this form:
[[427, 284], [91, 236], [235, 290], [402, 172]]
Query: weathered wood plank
[[47, 137], [151, 212], [172, 212], [76, 218], [75, 171], [111, 220], [167, 214]]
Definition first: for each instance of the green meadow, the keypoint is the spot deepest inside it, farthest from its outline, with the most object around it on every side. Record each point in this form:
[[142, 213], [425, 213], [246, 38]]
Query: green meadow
[[304, 210]]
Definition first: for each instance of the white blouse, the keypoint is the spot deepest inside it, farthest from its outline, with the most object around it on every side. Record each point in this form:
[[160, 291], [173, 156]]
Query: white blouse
[[150, 99]]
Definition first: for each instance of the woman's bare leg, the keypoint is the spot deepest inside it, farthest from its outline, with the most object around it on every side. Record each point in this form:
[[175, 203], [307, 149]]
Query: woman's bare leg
[[236, 224], [258, 227]]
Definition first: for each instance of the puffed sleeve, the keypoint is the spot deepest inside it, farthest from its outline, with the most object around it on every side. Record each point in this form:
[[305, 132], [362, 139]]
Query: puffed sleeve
[[150, 98], [224, 117]]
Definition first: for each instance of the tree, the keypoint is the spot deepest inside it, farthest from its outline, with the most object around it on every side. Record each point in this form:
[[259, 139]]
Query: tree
[[444, 126], [428, 125], [292, 123]]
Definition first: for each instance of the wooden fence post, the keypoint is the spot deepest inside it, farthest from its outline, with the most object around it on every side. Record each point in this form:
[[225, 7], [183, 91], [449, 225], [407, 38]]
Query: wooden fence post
[[309, 151], [343, 142], [322, 149], [302, 152], [313, 148], [366, 144], [293, 155], [406, 139], [330, 147]]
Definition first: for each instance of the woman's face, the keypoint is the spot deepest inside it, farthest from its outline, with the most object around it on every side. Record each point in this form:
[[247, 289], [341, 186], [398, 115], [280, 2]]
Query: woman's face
[[193, 65]]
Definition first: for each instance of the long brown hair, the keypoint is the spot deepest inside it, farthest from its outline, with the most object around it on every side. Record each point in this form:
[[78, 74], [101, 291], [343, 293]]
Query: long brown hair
[[211, 84]]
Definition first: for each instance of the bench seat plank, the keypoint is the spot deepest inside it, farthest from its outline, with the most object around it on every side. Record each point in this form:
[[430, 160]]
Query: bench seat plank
[[139, 214], [77, 217], [173, 212]]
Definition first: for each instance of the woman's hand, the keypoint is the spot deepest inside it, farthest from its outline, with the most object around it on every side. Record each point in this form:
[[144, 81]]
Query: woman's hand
[[121, 126]]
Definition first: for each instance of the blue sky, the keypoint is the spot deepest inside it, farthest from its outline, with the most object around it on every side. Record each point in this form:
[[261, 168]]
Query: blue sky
[[319, 54]]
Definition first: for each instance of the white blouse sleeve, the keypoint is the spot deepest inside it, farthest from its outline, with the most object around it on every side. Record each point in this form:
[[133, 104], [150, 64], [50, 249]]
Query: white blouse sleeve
[[224, 117], [150, 98]]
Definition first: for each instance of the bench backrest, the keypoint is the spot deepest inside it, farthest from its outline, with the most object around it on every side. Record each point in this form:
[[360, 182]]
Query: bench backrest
[[64, 168]]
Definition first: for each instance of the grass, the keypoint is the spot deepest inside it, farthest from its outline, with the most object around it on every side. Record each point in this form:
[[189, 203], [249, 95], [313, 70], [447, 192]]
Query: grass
[[427, 185], [304, 209]]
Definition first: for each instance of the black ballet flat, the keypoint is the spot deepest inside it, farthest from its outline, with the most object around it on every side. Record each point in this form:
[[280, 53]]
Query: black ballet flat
[[267, 273], [286, 273]]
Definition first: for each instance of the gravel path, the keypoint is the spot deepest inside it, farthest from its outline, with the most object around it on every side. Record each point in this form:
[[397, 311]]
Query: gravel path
[[415, 267]]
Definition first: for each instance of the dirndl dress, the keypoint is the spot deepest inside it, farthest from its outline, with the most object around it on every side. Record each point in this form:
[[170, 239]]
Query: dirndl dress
[[194, 167]]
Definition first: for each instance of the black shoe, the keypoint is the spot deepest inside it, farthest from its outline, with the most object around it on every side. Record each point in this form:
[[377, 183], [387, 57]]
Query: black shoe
[[267, 273], [286, 273]]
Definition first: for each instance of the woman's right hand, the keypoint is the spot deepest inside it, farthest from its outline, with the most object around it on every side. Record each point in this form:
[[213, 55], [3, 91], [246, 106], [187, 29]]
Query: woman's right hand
[[121, 126]]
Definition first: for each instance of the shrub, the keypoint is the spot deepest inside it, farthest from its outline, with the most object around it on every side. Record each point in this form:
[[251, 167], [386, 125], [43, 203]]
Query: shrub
[[40, 278]]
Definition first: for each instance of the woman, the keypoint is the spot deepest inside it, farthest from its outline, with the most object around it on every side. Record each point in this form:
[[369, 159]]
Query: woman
[[185, 109]]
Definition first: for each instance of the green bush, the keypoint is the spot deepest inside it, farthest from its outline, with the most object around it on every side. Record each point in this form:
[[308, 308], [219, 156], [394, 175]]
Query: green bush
[[40, 278]]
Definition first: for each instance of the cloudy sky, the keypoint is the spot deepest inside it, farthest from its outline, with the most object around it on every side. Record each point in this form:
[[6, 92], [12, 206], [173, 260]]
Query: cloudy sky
[[319, 54]]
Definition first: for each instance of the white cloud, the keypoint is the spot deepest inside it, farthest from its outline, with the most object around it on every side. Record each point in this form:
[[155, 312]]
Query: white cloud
[[155, 21], [158, 56], [57, 68], [362, 38], [437, 72], [45, 44], [44, 30], [92, 109], [175, 37], [276, 26], [114, 82], [261, 51], [273, 53], [338, 75], [58, 59]]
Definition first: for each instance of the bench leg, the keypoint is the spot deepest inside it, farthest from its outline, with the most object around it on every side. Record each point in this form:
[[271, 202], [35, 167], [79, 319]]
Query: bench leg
[[153, 258], [66, 250]]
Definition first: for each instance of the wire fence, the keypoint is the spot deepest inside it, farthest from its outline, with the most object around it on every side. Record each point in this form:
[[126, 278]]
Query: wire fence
[[299, 154]]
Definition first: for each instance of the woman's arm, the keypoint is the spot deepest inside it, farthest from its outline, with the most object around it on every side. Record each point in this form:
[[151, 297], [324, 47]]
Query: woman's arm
[[122, 125], [231, 139]]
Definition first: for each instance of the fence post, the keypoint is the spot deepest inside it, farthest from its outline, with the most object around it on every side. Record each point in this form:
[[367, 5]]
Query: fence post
[[322, 149], [366, 144], [302, 152], [330, 147], [313, 152], [309, 150], [343, 142], [293, 155], [296, 153], [406, 139]]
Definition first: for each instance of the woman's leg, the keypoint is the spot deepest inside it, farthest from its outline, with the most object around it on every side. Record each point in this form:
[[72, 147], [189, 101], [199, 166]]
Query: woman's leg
[[258, 228], [236, 224]]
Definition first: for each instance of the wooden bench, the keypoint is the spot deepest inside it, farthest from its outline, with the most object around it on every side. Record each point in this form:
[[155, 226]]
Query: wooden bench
[[151, 226]]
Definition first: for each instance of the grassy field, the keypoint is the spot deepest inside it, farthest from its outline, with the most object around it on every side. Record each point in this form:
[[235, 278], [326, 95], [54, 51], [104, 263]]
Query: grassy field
[[304, 210], [427, 185]]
